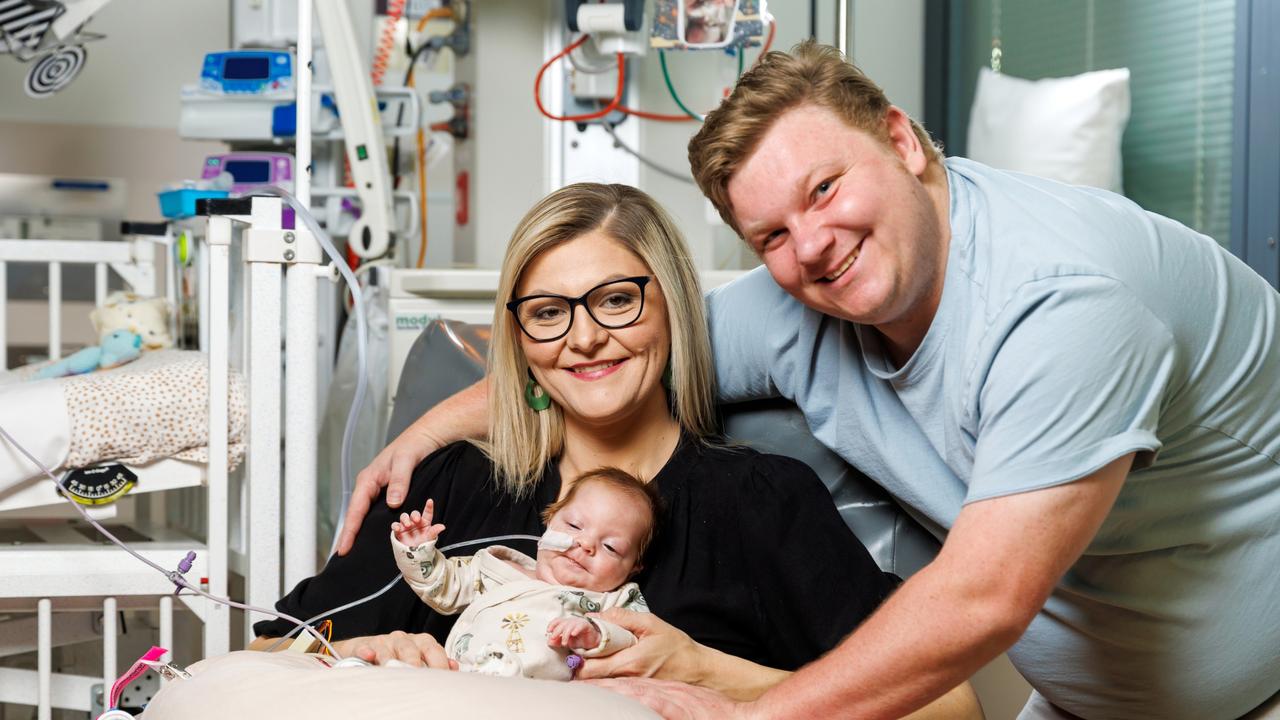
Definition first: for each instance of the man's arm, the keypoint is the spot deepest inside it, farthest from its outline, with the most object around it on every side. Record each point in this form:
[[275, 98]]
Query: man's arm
[[994, 573], [462, 416]]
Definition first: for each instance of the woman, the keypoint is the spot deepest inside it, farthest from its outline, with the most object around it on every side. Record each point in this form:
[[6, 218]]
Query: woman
[[601, 358]]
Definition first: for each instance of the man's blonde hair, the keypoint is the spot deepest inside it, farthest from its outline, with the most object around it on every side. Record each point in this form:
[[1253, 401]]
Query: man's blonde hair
[[522, 441], [811, 74]]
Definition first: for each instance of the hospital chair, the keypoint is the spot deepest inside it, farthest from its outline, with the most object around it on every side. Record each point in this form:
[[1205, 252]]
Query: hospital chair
[[450, 355]]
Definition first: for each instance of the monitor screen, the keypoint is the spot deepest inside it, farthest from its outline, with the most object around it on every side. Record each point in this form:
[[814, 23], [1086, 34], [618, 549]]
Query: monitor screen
[[245, 68], [256, 172]]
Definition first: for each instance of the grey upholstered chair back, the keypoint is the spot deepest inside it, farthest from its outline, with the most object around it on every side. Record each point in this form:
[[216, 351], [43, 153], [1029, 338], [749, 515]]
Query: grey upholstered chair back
[[449, 356]]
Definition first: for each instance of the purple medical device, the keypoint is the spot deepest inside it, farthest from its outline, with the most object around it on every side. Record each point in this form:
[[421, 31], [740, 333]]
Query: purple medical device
[[251, 169]]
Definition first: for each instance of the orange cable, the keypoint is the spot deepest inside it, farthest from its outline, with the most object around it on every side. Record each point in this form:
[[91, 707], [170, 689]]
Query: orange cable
[[654, 116], [768, 43], [387, 39], [613, 104], [433, 14], [422, 198]]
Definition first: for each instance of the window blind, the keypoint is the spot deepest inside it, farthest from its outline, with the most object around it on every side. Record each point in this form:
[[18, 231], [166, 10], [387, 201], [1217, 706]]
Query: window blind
[[1180, 54]]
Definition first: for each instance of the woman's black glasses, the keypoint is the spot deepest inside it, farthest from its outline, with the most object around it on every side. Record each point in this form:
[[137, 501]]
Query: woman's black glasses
[[614, 304]]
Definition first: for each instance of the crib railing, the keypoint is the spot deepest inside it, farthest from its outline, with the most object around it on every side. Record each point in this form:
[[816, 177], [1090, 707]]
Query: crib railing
[[134, 261], [272, 261], [54, 588]]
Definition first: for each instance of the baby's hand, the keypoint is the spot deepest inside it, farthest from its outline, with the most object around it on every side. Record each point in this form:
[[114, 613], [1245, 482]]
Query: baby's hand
[[574, 633], [416, 528]]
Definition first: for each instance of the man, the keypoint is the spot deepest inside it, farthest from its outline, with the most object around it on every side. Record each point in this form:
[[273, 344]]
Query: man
[[1080, 396]]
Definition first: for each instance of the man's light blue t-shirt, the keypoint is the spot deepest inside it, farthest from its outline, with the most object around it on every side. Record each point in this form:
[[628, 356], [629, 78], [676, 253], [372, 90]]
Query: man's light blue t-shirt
[[1074, 328]]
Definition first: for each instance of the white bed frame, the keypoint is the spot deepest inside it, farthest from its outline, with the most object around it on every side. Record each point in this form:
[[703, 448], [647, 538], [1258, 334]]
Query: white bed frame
[[67, 573], [135, 262]]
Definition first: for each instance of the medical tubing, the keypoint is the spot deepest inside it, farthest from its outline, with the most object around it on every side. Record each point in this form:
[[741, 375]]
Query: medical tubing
[[391, 584], [173, 575], [617, 141], [362, 339], [671, 88]]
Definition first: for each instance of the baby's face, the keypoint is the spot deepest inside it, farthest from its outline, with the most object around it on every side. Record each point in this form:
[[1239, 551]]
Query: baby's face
[[606, 526]]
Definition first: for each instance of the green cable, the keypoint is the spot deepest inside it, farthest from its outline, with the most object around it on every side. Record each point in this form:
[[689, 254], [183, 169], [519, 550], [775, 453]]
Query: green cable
[[662, 59], [742, 54]]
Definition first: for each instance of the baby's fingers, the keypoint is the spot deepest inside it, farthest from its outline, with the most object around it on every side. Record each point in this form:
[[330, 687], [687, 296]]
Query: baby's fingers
[[428, 512]]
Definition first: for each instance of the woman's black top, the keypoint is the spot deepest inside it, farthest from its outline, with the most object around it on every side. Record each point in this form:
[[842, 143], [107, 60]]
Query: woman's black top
[[751, 557]]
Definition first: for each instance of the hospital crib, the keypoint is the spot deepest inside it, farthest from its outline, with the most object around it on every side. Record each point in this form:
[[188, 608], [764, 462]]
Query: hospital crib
[[56, 567]]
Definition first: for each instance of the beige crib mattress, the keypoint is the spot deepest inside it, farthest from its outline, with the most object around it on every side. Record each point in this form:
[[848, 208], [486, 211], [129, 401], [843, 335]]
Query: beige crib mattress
[[151, 408]]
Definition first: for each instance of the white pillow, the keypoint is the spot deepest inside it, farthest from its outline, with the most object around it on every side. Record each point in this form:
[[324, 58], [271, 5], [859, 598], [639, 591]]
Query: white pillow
[[247, 684], [1066, 129]]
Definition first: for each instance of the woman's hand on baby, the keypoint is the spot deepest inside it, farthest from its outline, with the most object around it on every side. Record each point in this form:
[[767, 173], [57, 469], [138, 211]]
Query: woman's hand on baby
[[416, 649], [574, 633], [661, 651], [415, 528]]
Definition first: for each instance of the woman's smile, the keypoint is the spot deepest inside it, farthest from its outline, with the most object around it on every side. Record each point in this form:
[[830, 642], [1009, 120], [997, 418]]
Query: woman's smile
[[599, 374], [595, 370]]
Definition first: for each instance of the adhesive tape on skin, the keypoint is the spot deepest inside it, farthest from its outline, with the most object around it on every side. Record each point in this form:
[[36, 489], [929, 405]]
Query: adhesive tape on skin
[[555, 540]]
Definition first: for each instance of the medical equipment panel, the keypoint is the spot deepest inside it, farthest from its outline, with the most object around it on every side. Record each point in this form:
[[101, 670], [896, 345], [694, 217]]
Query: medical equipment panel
[[251, 169], [238, 72]]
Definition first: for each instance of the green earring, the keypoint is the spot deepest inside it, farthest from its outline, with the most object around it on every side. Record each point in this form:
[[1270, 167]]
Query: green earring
[[666, 376], [534, 396]]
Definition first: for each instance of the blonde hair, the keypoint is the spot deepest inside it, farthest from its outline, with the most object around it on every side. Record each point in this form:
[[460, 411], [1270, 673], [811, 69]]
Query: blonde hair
[[522, 441], [811, 74], [621, 481]]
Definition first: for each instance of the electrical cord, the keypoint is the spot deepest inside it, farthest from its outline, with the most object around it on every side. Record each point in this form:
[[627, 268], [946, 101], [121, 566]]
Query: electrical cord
[[768, 41], [671, 88], [385, 588], [175, 576], [613, 104], [675, 96], [653, 116], [617, 141], [181, 583], [420, 136]]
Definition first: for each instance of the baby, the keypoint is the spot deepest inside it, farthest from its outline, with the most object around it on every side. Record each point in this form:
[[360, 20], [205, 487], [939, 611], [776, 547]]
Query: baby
[[526, 617]]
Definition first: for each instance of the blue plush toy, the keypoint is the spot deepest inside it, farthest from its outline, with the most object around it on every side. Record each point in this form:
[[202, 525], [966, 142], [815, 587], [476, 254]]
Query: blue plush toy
[[118, 348]]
